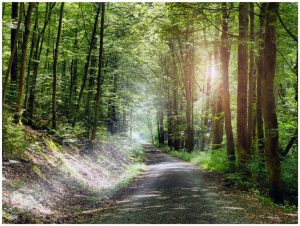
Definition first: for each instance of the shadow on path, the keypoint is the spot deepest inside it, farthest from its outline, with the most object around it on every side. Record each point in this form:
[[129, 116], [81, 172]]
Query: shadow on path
[[172, 191]]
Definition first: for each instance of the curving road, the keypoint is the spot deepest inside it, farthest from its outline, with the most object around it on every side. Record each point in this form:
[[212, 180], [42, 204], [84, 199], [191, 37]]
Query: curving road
[[173, 191]]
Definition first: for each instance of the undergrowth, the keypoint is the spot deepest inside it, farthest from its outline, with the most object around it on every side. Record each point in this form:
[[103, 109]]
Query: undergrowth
[[13, 139], [216, 161]]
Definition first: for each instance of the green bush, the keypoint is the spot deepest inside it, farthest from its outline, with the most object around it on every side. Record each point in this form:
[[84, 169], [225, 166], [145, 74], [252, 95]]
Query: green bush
[[13, 138], [214, 160], [290, 173]]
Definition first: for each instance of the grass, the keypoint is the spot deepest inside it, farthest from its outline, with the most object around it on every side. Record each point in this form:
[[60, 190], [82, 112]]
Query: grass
[[130, 173], [215, 160]]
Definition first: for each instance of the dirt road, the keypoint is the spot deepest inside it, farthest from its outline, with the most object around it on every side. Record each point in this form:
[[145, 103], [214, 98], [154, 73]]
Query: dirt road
[[173, 191]]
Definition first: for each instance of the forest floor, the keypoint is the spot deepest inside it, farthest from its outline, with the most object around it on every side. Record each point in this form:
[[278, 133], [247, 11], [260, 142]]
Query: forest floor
[[168, 191]]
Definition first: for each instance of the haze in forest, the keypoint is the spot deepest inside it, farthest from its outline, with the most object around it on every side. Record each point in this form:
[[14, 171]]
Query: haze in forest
[[149, 112]]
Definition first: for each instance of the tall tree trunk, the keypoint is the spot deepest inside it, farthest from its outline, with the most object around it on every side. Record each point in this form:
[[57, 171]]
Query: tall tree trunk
[[160, 126], [86, 66], [176, 130], [19, 111], [34, 46], [91, 88], [37, 56], [242, 86], [112, 106], [99, 77], [73, 82], [206, 122], [269, 107], [170, 115], [14, 36], [13, 52], [225, 55], [188, 86], [218, 118], [55, 67], [251, 83], [150, 127], [174, 100], [260, 67]]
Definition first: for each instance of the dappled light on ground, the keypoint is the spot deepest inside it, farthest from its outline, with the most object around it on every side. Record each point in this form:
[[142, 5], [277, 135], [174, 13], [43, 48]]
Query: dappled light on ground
[[172, 191], [57, 180]]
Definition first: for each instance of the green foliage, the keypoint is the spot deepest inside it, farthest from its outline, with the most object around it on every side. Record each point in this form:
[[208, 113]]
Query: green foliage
[[257, 170], [214, 160], [13, 137], [138, 154], [67, 131], [290, 173], [102, 133]]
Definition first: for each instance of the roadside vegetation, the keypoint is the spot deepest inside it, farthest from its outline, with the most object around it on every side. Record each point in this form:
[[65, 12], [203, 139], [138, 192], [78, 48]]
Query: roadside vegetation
[[44, 179], [217, 161]]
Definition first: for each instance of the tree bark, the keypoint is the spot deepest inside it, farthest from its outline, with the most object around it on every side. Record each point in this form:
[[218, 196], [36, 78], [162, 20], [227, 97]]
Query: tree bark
[[160, 126], [13, 52], [218, 117], [260, 67], [188, 87], [242, 149], [170, 115], [91, 85], [272, 158], [73, 82], [34, 46], [19, 111], [99, 77], [14, 36], [174, 102], [225, 56], [55, 67], [206, 122], [251, 83]]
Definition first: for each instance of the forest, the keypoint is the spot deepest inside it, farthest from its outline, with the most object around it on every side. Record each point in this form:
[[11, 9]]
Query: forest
[[96, 95]]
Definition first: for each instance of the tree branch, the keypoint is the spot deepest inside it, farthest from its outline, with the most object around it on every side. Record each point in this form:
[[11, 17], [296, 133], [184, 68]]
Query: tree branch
[[287, 30]]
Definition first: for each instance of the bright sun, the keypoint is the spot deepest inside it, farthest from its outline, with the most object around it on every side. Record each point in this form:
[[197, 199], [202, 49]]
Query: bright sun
[[213, 72]]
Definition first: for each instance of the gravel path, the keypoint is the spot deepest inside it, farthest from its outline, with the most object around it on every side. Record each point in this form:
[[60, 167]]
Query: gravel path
[[173, 191]]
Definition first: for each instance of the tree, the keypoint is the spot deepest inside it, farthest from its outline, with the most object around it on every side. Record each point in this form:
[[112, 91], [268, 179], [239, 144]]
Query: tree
[[242, 149], [99, 77], [87, 64], [33, 46], [13, 52], [19, 111], [14, 36], [217, 108], [37, 56], [160, 126], [269, 106], [55, 57], [188, 68], [225, 55], [260, 67], [251, 83]]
